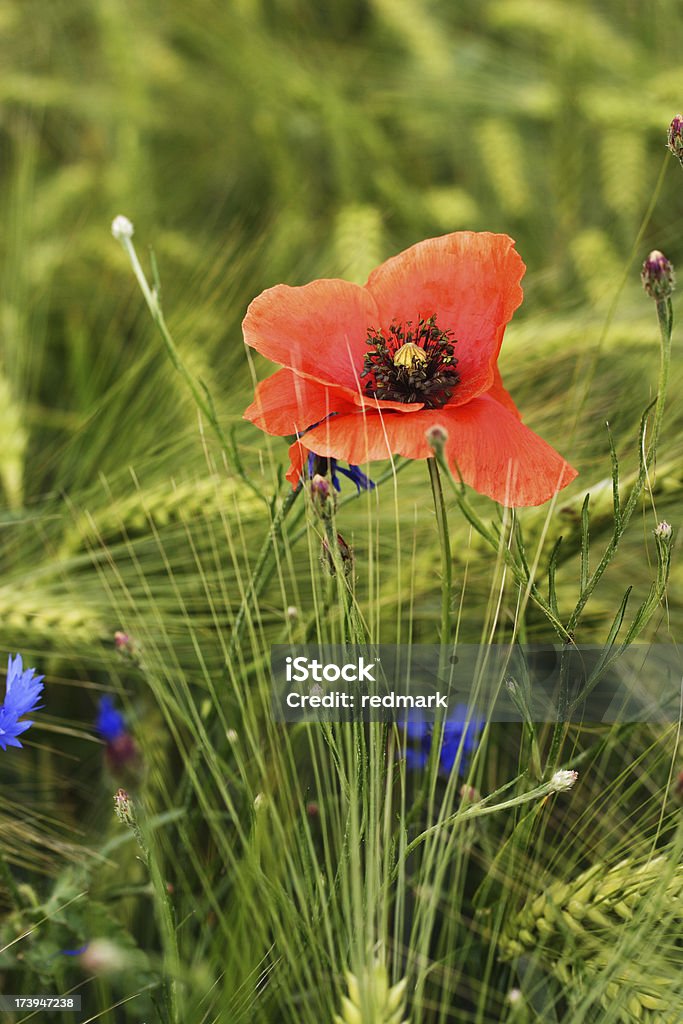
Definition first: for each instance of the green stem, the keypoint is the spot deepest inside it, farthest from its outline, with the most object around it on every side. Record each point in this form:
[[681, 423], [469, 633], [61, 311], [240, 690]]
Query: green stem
[[427, 790], [665, 316], [647, 458], [445, 547], [262, 571], [519, 572], [478, 810], [144, 837], [200, 392], [340, 576]]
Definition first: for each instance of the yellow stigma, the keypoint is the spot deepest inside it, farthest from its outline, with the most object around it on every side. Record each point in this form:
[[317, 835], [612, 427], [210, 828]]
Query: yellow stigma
[[409, 355]]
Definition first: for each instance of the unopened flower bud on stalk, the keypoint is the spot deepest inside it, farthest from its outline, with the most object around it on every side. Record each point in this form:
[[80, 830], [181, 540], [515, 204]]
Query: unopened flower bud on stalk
[[345, 554], [657, 276], [675, 136], [121, 228], [125, 644], [322, 495], [123, 805], [469, 794], [563, 780], [436, 436], [663, 531]]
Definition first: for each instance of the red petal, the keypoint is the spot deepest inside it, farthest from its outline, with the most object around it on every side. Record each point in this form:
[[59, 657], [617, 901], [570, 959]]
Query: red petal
[[498, 392], [370, 436], [297, 460], [288, 404], [487, 444], [497, 455], [319, 329], [470, 280]]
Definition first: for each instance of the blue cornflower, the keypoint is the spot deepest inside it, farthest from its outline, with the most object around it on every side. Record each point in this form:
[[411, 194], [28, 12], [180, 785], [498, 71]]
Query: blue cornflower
[[120, 750], [459, 736], [110, 723], [320, 464], [21, 697]]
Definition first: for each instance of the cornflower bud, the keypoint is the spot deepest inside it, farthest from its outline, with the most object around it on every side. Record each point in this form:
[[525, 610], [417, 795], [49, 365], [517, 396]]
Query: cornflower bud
[[658, 276], [563, 780], [123, 806], [125, 812], [674, 139], [345, 554], [664, 531], [322, 495], [125, 645]]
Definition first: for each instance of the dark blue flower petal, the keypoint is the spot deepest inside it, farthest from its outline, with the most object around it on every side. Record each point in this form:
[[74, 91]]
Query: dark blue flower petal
[[73, 952], [23, 687], [416, 759], [333, 474], [321, 464], [355, 473], [22, 693], [416, 728], [460, 739], [109, 723]]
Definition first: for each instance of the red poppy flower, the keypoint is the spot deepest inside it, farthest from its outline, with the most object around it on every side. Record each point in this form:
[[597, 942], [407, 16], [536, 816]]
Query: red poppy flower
[[368, 370]]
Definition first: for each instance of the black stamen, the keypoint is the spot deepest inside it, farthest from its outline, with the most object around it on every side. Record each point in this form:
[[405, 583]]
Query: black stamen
[[429, 377]]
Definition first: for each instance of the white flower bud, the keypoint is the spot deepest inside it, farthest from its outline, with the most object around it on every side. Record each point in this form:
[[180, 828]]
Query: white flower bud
[[101, 956], [563, 780], [664, 531], [121, 228]]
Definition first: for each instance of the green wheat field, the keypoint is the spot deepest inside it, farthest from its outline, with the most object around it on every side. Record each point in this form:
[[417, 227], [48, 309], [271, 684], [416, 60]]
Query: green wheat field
[[194, 860]]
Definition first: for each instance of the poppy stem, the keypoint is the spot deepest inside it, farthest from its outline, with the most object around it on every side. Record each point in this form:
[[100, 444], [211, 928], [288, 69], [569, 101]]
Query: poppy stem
[[519, 570], [445, 545]]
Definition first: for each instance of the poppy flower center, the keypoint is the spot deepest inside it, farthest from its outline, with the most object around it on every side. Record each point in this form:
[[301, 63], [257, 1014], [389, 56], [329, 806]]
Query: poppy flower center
[[411, 364]]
